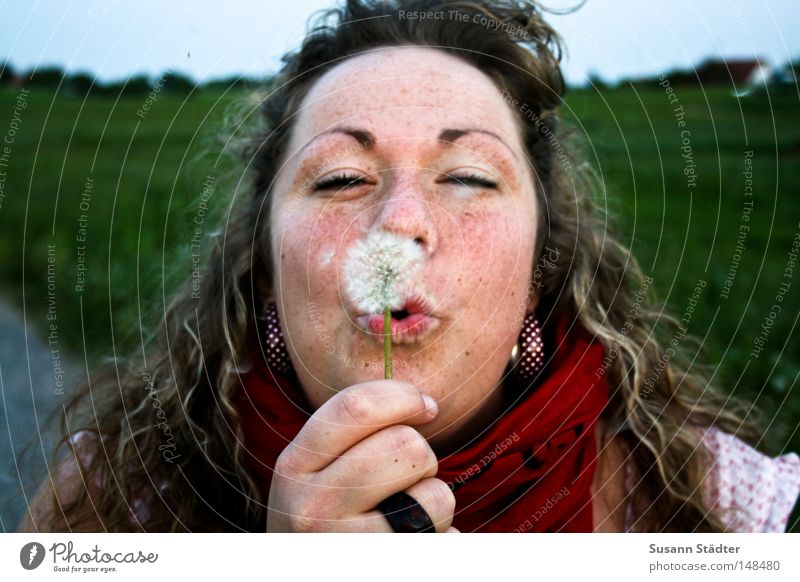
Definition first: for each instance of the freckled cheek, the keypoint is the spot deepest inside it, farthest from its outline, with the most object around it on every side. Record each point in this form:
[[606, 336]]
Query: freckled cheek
[[497, 249], [311, 251]]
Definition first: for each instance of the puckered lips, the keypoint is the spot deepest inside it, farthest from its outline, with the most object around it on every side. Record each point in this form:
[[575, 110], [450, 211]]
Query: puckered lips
[[410, 324]]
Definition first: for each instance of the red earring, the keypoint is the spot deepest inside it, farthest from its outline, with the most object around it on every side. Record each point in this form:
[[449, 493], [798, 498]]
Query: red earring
[[527, 355], [274, 346]]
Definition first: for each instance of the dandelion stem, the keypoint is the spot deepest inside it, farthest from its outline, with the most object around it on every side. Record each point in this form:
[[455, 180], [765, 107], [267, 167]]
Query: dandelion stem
[[387, 342]]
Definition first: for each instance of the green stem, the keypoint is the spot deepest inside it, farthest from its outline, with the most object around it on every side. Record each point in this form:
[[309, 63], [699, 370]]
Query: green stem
[[387, 342]]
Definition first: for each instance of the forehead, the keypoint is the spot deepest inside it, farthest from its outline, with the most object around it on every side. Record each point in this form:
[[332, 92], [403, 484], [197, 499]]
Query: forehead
[[403, 92]]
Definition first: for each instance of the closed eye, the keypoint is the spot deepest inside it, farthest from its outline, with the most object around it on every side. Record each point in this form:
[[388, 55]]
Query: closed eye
[[470, 179], [339, 182], [342, 181]]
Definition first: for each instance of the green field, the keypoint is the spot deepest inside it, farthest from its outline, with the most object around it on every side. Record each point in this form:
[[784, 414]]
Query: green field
[[147, 177], [686, 231]]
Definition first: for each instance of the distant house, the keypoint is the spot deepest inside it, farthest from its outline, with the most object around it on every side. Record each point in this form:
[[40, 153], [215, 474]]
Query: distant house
[[742, 74], [16, 80]]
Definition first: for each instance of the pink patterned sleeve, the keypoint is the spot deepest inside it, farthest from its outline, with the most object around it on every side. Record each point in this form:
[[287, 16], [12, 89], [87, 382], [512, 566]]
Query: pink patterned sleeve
[[752, 492]]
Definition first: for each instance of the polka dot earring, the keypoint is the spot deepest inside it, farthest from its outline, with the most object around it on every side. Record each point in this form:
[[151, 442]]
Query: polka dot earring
[[274, 347], [527, 355]]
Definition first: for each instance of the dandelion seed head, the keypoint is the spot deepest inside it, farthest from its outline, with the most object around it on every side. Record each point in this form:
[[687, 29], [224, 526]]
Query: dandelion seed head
[[380, 269]]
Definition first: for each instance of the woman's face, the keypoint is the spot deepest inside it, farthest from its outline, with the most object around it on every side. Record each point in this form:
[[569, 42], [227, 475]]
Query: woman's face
[[417, 143]]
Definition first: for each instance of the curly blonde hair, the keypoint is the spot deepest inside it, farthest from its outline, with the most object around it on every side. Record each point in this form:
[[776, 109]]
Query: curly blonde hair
[[659, 403]]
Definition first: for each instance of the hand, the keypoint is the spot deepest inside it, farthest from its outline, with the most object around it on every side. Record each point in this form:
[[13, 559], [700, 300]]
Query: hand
[[356, 450]]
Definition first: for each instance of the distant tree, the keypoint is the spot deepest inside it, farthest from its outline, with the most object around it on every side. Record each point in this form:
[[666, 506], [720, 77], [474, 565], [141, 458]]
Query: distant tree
[[684, 77], [6, 73], [232, 83], [50, 76], [596, 81], [177, 82], [79, 83], [787, 76], [793, 71], [136, 85]]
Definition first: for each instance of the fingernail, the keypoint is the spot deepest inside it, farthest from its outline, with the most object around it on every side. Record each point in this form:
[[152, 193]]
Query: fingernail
[[430, 404]]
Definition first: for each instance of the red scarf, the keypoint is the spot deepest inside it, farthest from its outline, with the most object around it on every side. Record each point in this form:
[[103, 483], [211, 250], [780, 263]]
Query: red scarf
[[530, 471]]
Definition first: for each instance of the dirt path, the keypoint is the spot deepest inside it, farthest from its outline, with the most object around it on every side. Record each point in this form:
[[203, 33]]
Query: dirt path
[[32, 383]]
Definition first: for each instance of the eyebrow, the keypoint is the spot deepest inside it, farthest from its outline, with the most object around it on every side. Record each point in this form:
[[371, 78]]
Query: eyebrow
[[446, 136]]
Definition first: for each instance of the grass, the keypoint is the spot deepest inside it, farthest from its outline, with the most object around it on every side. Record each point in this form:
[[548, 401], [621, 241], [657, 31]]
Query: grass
[[147, 176], [682, 235], [146, 180]]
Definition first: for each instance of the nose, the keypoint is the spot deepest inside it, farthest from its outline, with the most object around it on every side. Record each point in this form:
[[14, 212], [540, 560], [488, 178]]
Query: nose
[[406, 211]]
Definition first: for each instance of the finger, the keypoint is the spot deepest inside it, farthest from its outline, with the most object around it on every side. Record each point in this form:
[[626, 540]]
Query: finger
[[432, 494], [437, 499], [352, 415], [372, 522], [391, 460]]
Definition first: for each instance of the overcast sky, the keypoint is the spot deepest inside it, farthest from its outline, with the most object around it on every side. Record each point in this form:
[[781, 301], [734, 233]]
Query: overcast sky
[[117, 38]]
